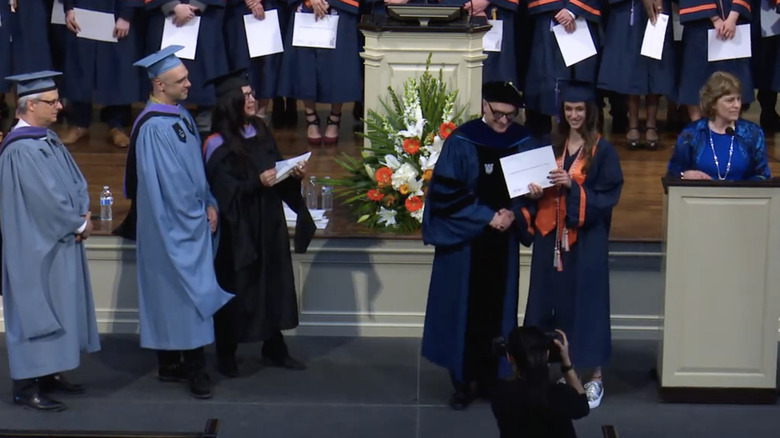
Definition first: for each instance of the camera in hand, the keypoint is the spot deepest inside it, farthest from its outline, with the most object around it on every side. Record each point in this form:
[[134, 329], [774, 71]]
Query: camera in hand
[[499, 347]]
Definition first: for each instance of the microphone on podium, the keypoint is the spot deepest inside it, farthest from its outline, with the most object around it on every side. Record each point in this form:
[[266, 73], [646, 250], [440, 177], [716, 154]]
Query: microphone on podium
[[730, 131]]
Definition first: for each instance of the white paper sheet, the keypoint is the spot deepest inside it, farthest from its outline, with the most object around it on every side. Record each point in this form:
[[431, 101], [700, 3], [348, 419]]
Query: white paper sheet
[[320, 221], [677, 27], [494, 38], [770, 20], [285, 167], [263, 37], [655, 34], [528, 167], [57, 13], [735, 48], [576, 46], [186, 36], [308, 32], [98, 26]]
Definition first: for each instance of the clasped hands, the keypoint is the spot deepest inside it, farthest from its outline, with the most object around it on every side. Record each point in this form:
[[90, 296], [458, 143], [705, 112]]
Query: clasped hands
[[320, 8], [565, 19], [87, 229], [726, 29], [183, 13], [502, 219], [256, 8]]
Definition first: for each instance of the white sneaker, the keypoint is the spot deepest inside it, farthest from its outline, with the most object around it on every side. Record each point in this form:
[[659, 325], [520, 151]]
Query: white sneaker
[[594, 390]]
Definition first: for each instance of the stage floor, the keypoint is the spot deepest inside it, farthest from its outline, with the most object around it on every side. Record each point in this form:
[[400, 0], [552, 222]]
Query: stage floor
[[638, 216]]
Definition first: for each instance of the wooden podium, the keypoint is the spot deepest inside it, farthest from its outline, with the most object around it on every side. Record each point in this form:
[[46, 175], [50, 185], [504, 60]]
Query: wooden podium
[[396, 50], [722, 292]]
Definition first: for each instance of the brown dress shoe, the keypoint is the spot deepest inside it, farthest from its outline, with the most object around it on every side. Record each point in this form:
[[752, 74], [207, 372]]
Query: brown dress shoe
[[73, 134], [118, 138]]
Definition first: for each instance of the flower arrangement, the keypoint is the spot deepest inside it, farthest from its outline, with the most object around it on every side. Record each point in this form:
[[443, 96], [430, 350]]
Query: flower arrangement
[[386, 187]]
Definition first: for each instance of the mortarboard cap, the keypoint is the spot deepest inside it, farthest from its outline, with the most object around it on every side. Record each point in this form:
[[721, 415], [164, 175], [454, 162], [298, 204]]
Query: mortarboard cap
[[502, 92], [159, 62], [33, 83], [228, 82], [575, 91]]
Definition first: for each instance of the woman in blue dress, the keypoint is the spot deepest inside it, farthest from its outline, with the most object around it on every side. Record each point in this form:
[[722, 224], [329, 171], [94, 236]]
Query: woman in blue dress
[[647, 77], [721, 145], [698, 17]]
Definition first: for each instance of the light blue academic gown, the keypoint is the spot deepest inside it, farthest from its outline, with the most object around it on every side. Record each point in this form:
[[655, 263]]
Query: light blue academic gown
[[178, 292], [47, 296]]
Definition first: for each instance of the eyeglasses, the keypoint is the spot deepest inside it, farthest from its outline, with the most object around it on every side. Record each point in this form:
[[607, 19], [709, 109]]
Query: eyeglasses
[[51, 103], [498, 115], [249, 94]]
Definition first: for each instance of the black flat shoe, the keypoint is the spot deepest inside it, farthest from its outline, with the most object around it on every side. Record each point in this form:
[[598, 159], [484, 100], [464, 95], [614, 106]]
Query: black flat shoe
[[176, 373], [460, 400], [228, 367], [200, 385], [58, 382], [38, 402], [286, 363]]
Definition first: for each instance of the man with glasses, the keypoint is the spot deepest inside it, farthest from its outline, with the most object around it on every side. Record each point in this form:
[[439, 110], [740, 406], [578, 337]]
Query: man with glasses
[[44, 216], [172, 219], [476, 229]]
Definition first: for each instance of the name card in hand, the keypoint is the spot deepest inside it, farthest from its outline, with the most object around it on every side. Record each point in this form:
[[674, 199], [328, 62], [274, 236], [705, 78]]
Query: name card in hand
[[655, 35], [309, 32], [186, 36], [576, 46], [285, 167], [263, 37], [530, 167], [494, 38], [735, 48], [97, 26]]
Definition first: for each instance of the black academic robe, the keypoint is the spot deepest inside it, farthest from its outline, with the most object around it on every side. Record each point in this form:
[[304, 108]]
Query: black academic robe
[[253, 260]]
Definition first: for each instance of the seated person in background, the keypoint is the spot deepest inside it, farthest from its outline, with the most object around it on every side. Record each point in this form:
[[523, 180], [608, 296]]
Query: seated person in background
[[720, 145], [530, 405]]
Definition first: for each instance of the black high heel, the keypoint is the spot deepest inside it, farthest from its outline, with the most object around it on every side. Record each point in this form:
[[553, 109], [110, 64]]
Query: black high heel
[[651, 144], [633, 144]]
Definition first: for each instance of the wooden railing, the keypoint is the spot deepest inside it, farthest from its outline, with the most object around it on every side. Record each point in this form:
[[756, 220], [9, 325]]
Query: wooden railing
[[210, 431]]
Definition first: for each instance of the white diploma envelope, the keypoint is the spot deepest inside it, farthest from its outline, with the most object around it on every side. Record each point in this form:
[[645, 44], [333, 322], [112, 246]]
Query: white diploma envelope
[[285, 167], [655, 35], [576, 46], [186, 36], [308, 32], [58, 13], [528, 167], [735, 48], [263, 37], [770, 20], [494, 38], [98, 26]]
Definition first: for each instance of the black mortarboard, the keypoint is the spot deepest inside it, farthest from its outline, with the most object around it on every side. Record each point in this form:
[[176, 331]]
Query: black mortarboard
[[575, 91], [502, 92], [228, 82]]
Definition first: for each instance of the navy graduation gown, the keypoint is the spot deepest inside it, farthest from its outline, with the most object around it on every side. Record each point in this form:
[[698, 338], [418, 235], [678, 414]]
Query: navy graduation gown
[[263, 71], [776, 73], [325, 75], [103, 72], [764, 49], [576, 299], [30, 48], [696, 16], [5, 46], [546, 65], [625, 31], [210, 57], [499, 66], [455, 221]]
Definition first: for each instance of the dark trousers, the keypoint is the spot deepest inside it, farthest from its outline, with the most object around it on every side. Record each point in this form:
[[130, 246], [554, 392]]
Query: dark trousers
[[194, 360], [227, 331], [767, 99], [115, 116]]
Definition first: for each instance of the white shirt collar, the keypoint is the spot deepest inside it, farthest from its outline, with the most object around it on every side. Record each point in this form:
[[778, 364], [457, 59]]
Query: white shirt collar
[[21, 124]]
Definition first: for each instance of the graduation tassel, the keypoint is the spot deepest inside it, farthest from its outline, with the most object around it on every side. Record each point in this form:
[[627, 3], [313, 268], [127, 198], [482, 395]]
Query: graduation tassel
[[556, 256], [565, 239], [559, 262]]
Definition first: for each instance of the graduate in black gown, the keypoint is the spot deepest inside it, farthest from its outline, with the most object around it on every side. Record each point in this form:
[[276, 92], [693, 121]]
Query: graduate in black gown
[[253, 260], [476, 230]]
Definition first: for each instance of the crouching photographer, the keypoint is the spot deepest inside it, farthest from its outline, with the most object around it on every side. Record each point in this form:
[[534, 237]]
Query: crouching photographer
[[529, 404]]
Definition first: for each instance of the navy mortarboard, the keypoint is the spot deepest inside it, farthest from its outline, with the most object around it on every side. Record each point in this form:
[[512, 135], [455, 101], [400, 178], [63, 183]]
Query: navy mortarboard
[[229, 82], [502, 92], [575, 91], [159, 62], [34, 83]]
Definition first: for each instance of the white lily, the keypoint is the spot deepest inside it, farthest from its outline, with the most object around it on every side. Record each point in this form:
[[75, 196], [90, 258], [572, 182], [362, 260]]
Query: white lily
[[430, 161], [437, 144], [415, 187], [392, 162], [404, 175], [387, 217], [418, 214], [413, 130]]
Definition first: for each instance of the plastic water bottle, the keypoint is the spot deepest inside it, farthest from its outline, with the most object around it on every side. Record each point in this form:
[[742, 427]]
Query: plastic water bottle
[[311, 194], [327, 195], [106, 204]]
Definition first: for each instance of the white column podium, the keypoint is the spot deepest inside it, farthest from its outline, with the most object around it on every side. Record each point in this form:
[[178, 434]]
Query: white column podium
[[394, 51], [722, 292]]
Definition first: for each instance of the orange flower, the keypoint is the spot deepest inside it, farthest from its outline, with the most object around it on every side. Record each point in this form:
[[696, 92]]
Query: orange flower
[[445, 129], [374, 195], [389, 201], [383, 176], [413, 203], [411, 146], [427, 174], [404, 189]]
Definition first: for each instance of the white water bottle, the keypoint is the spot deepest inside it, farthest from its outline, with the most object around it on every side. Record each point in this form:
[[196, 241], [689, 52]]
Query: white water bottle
[[327, 194], [311, 194], [106, 204]]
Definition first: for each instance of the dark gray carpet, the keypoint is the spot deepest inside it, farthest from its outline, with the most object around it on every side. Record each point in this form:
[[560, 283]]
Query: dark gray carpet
[[377, 387]]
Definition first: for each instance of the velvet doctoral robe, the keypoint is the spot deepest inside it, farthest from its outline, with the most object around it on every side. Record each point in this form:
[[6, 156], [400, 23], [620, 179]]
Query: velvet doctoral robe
[[253, 261], [457, 213], [575, 297], [47, 297], [178, 292]]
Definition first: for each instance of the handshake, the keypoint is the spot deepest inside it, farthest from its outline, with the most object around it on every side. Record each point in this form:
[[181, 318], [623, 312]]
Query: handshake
[[502, 219]]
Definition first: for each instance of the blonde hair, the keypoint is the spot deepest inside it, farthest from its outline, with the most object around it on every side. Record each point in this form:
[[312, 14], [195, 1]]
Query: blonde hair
[[718, 85]]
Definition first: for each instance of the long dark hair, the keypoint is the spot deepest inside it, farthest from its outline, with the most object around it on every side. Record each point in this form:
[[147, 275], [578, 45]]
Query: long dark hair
[[589, 131], [528, 347], [228, 120]]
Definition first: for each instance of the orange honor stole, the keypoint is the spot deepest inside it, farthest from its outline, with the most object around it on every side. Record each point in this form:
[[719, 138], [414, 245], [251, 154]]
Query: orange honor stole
[[552, 210]]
